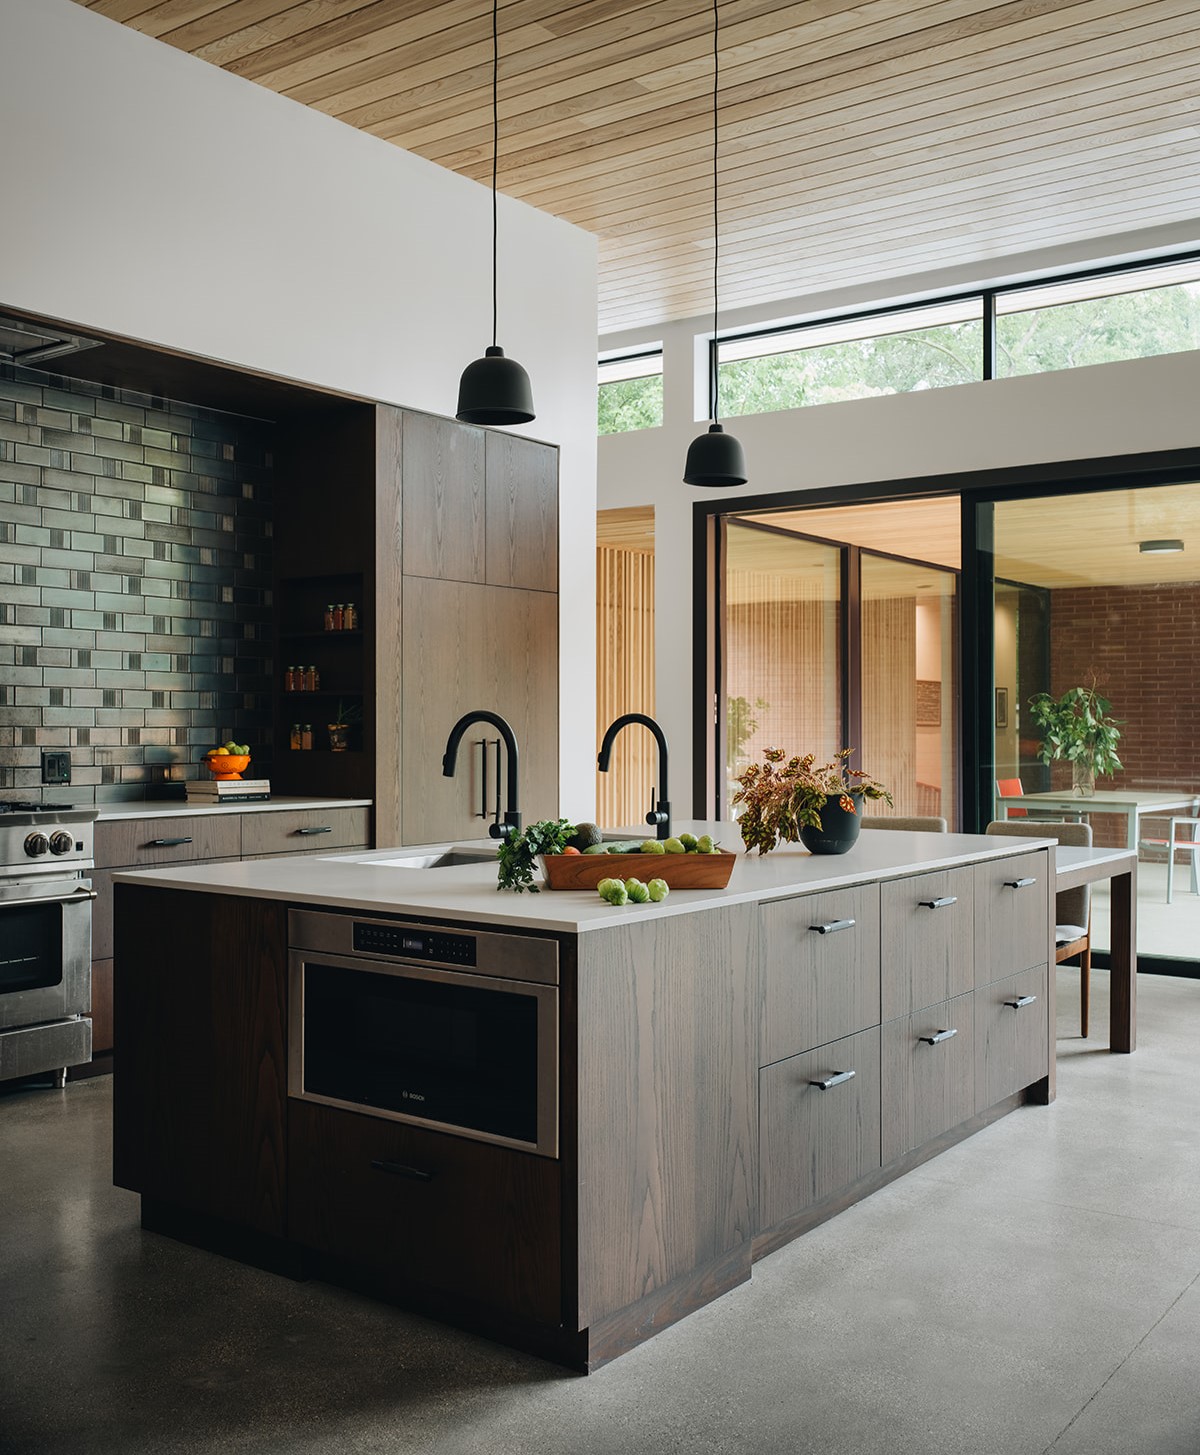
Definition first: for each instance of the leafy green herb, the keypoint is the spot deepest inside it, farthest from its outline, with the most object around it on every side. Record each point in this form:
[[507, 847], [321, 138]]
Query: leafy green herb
[[519, 854]]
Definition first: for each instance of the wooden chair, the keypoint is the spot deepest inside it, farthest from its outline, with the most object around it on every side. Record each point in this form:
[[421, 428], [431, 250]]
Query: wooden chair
[[1072, 908], [918, 825]]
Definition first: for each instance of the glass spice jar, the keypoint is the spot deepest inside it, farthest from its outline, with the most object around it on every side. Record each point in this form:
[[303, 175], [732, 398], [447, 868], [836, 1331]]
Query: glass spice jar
[[329, 611], [306, 736], [294, 738], [339, 617], [350, 617], [289, 680]]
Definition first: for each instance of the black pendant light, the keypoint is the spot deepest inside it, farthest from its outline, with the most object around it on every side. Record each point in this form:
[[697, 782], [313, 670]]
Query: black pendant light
[[494, 390], [714, 458]]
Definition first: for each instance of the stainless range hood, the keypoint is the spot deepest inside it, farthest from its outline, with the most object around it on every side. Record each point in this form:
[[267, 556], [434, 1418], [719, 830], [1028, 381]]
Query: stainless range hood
[[35, 343]]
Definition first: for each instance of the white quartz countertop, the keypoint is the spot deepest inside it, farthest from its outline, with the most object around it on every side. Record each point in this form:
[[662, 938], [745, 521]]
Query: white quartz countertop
[[177, 808], [468, 894]]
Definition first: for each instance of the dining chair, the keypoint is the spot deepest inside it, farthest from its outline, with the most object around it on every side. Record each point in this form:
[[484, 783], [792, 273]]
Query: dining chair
[[1173, 843], [916, 825], [1072, 908], [1011, 788]]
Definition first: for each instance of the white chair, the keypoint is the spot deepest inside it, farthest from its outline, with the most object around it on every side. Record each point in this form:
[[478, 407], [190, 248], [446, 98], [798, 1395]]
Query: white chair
[[928, 825], [1172, 844], [1072, 908]]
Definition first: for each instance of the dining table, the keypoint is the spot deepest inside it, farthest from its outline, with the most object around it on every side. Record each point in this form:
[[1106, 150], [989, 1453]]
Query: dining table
[[1133, 804]]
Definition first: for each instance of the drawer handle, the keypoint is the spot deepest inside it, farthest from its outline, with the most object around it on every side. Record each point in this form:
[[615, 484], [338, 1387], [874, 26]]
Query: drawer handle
[[836, 1079], [1018, 883], [939, 903], [833, 926], [401, 1169], [940, 1036], [166, 843], [323, 829], [1020, 1001]]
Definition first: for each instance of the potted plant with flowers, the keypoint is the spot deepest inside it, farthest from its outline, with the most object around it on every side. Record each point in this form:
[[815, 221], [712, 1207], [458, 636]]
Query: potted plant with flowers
[[795, 801], [1078, 730]]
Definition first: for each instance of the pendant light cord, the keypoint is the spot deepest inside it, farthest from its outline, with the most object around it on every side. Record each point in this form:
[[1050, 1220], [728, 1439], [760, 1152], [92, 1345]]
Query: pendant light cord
[[714, 373], [495, 148]]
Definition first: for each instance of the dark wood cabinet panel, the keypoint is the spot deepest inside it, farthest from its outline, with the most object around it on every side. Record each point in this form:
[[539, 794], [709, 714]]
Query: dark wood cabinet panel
[[1012, 915], [442, 1212], [444, 511], [815, 1142], [820, 976], [928, 940], [1011, 1035], [468, 646], [102, 1006], [662, 1138], [199, 1101], [522, 513], [927, 1076]]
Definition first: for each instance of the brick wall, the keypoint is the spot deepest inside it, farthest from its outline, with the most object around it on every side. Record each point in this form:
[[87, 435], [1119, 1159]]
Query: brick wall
[[1143, 645], [135, 572]]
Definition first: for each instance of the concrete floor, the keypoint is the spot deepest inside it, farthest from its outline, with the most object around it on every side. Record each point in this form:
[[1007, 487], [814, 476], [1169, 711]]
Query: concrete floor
[[1035, 1289]]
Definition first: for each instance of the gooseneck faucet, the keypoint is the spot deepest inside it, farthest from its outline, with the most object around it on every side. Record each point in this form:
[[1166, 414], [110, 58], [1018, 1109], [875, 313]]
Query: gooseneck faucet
[[512, 817], [660, 811]]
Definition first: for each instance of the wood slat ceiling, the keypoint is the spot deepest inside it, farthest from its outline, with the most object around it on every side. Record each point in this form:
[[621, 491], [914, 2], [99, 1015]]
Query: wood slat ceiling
[[860, 139]]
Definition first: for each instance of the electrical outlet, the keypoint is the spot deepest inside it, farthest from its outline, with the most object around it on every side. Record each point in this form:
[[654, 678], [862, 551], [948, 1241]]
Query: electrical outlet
[[56, 767]]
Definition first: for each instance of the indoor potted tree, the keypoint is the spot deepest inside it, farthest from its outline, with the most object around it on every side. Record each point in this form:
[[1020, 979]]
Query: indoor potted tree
[[796, 801], [1078, 730]]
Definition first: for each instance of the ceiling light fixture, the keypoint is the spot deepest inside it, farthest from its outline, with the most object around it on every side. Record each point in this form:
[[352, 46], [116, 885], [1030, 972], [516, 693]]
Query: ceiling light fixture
[[1159, 548], [715, 458], [494, 390]]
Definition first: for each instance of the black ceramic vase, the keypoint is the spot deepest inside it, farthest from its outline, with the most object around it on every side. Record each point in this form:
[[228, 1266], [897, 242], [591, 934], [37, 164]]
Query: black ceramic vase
[[839, 829]]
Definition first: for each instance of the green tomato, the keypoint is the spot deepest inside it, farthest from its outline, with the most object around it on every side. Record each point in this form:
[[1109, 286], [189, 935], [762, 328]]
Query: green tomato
[[606, 884], [673, 846], [704, 844], [689, 842], [637, 891], [652, 846], [617, 894], [657, 890]]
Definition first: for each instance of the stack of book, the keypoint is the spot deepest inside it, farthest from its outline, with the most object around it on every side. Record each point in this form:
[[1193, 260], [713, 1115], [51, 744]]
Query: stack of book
[[228, 790]]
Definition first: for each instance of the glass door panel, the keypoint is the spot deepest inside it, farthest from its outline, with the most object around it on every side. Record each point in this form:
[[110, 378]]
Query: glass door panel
[[781, 670], [909, 686]]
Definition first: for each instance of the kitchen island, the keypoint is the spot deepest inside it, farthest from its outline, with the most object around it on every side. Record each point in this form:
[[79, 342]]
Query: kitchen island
[[688, 1085]]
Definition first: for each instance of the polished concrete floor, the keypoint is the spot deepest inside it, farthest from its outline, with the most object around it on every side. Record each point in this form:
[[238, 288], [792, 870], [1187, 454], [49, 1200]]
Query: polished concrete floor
[[1035, 1289]]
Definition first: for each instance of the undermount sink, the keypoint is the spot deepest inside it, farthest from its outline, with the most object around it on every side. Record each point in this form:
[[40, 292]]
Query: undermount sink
[[438, 859]]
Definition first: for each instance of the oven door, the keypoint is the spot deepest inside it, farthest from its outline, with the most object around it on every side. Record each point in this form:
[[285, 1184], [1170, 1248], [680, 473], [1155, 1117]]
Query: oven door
[[476, 1055], [45, 954]]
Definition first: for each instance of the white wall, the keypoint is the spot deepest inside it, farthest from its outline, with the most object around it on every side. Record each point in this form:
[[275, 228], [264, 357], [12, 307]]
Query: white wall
[[1109, 409], [152, 195]]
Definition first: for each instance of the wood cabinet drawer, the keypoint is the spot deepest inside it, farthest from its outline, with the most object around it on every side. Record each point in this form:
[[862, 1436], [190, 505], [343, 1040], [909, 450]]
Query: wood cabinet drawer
[[928, 940], [470, 1219], [290, 831], [820, 969], [1011, 1036], [1012, 915], [814, 1142], [175, 839], [927, 1074]]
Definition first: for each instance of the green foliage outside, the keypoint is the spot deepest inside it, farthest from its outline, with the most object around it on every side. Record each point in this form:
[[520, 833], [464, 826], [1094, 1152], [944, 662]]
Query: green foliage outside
[[1095, 331], [741, 723], [627, 404]]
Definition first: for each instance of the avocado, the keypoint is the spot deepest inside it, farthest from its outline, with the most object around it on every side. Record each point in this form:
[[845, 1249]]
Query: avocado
[[586, 836]]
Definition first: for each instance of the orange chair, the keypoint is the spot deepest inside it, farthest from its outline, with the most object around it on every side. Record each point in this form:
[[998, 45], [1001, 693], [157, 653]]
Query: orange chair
[[1011, 788]]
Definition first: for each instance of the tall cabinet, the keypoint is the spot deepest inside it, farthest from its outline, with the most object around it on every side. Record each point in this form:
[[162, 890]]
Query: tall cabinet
[[445, 536]]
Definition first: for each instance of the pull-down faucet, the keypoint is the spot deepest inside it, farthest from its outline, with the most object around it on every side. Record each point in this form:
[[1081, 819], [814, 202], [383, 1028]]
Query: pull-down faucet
[[512, 817], [660, 812]]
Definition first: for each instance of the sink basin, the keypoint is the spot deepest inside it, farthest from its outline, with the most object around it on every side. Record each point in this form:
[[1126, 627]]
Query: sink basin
[[438, 859]]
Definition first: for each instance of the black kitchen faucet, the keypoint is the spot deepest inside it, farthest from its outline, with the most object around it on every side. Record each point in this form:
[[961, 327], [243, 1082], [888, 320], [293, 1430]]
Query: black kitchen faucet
[[660, 811], [512, 817]]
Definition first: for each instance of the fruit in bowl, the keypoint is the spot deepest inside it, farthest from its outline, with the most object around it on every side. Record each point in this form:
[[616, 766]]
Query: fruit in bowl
[[229, 761]]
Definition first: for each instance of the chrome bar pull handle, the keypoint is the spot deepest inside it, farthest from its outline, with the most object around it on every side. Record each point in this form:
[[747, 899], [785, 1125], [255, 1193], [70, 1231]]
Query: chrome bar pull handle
[[942, 903], [833, 926], [836, 1079], [1020, 1001], [939, 1036], [166, 843], [318, 829], [1018, 883]]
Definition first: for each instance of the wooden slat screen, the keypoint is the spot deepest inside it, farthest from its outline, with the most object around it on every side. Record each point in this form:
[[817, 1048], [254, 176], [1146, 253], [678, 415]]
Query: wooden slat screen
[[625, 679]]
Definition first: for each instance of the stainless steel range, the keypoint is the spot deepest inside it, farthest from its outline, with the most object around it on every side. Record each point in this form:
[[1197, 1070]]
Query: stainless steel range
[[45, 938]]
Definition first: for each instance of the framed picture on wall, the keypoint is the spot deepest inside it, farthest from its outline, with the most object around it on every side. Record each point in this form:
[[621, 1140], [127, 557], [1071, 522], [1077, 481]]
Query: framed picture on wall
[[1001, 707]]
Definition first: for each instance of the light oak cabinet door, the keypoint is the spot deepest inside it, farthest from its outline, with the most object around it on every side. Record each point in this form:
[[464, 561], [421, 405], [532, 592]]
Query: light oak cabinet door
[[820, 969], [927, 1074], [928, 937], [469, 647], [304, 831], [1012, 915], [443, 511], [1011, 1036], [818, 1127], [522, 513]]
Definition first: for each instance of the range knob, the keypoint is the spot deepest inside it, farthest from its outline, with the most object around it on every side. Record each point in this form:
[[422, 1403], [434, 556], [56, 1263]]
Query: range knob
[[36, 844], [62, 842]]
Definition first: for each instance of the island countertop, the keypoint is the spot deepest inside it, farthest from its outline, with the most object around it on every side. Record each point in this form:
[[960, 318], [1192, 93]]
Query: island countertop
[[468, 894]]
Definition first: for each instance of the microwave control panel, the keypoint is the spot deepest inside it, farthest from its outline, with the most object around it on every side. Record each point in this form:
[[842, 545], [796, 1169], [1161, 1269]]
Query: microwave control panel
[[411, 942]]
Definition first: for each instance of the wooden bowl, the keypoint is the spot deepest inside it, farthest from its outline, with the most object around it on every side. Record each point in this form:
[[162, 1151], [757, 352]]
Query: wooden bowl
[[227, 765], [680, 871]]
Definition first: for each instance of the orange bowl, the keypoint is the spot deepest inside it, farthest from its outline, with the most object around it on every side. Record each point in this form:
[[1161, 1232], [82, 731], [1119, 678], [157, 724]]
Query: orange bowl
[[227, 765]]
